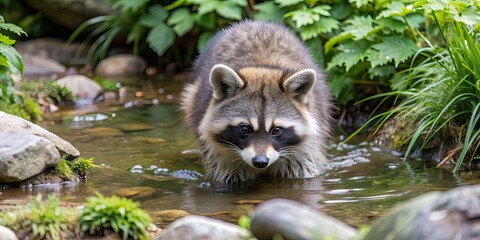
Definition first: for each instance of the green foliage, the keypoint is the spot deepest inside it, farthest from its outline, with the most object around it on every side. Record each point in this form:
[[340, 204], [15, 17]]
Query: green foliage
[[244, 222], [441, 95], [68, 170], [121, 215], [41, 219], [46, 90]]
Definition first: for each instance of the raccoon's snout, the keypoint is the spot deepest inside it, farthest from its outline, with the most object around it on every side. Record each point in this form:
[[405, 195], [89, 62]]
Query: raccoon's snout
[[260, 161]]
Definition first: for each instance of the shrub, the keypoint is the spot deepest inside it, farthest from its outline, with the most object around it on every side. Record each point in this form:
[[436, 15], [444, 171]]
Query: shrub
[[67, 169], [120, 215], [441, 96], [41, 219]]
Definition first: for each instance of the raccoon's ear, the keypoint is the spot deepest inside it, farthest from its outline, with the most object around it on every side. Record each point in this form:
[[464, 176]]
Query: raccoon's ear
[[225, 81], [300, 84]]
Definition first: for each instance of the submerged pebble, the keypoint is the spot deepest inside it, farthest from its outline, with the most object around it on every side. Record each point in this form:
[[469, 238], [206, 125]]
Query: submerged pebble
[[135, 127], [135, 192]]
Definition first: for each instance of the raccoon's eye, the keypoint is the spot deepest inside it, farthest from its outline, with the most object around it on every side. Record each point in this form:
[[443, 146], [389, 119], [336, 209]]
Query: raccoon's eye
[[277, 131], [245, 130]]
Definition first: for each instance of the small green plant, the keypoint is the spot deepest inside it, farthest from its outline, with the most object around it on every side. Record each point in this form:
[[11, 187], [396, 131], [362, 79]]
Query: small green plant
[[82, 165], [68, 170], [244, 222], [41, 219], [120, 215], [47, 90]]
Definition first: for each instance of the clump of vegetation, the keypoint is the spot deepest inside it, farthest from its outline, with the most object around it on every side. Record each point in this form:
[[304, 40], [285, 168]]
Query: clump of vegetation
[[41, 219], [11, 100], [46, 91], [120, 215], [68, 170], [441, 96]]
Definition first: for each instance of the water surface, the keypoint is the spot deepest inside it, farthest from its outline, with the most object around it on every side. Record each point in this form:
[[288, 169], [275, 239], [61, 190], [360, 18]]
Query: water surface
[[141, 147]]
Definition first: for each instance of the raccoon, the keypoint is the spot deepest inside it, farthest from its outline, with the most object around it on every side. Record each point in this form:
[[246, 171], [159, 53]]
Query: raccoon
[[258, 104]]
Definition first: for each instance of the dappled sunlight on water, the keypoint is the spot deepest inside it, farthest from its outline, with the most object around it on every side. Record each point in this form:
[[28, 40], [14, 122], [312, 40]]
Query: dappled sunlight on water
[[141, 154]]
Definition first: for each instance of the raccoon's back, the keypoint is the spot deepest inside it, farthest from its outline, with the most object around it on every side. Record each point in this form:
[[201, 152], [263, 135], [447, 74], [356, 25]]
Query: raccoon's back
[[254, 44]]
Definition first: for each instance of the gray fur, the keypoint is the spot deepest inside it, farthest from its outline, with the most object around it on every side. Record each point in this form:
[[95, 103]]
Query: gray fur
[[264, 55]]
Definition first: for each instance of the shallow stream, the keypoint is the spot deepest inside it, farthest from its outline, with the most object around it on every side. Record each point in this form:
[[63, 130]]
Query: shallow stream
[[142, 150]]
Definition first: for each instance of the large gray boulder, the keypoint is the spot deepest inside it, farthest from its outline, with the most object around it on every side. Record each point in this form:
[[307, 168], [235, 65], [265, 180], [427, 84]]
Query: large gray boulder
[[39, 66], [7, 234], [13, 124], [199, 227], [454, 214], [23, 156], [295, 221]]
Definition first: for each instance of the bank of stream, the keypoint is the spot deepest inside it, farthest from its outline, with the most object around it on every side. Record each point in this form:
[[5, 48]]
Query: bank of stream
[[144, 153]]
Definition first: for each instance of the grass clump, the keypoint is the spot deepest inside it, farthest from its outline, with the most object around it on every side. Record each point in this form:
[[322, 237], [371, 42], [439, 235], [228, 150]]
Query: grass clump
[[441, 95], [68, 170], [41, 219], [120, 215]]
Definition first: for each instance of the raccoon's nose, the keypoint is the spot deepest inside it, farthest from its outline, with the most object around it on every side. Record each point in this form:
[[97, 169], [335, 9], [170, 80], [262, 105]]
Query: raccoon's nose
[[260, 161]]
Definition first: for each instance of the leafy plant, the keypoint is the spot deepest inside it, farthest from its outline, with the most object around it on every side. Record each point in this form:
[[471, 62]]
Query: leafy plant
[[441, 96], [68, 170], [41, 219], [121, 215], [149, 23]]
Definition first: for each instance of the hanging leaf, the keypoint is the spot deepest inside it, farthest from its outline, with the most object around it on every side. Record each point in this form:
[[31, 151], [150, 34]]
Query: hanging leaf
[[349, 54], [229, 10], [394, 48], [268, 11], [156, 14], [182, 21], [130, 5], [12, 28], [325, 25], [286, 3], [160, 38], [13, 59]]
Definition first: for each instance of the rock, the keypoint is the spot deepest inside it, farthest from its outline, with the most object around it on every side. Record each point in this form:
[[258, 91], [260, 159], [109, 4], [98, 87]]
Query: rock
[[454, 214], [71, 13], [169, 215], [82, 87], [13, 124], [25, 155], [198, 227], [51, 48], [103, 132], [42, 67], [135, 127], [293, 220], [135, 192], [7, 234], [149, 140], [121, 65]]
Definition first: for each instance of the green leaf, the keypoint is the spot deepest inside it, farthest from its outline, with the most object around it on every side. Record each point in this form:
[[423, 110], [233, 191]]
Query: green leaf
[[394, 48], [13, 28], [268, 11], [242, 3], [394, 24], [315, 47], [325, 25], [129, 5], [202, 40], [160, 38], [382, 71], [350, 54], [182, 21], [395, 9], [302, 17], [359, 26], [6, 40], [334, 40], [206, 20], [359, 3], [322, 10], [341, 86], [229, 10], [285, 3], [156, 14], [14, 60], [341, 10], [207, 6]]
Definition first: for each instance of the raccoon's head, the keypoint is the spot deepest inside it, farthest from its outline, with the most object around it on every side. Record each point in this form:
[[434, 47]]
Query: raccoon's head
[[258, 114]]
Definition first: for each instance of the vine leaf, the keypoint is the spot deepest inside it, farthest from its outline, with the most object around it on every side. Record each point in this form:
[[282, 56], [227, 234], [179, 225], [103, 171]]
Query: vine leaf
[[160, 38], [394, 48]]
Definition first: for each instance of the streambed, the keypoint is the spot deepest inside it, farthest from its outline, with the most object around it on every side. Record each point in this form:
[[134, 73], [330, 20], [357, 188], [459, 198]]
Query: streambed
[[144, 152]]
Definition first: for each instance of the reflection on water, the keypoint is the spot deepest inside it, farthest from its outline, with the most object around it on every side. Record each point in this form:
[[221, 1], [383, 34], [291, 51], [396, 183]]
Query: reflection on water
[[142, 149]]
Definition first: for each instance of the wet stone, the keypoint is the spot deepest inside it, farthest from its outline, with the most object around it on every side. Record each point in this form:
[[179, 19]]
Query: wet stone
[[148, 140], [135, 127], [169, 215], [135, 192], [103, 132]]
